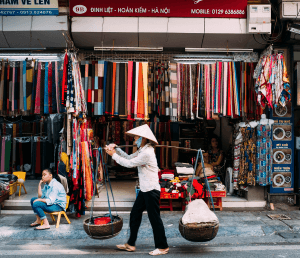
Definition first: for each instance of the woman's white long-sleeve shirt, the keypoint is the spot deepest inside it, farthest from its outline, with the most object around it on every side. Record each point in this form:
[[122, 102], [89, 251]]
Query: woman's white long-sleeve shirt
[[145, 160]]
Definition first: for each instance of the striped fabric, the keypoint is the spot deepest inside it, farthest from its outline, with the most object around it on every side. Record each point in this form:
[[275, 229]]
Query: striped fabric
[[173, 92]]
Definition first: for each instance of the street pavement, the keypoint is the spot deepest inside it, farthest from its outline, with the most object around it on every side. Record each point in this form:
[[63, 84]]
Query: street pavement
[[247, 234]]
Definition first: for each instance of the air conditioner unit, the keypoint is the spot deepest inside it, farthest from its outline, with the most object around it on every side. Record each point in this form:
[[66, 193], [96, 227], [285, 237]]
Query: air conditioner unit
[[259, 19], [290, 10]]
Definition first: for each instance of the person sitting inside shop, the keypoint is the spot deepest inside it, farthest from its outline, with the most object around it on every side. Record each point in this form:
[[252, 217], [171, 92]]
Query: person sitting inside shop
[[208, 168], [215, 155], [213, 159], [50, 199]]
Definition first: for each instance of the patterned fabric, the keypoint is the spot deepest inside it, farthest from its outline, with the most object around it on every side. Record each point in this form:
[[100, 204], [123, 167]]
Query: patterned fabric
[[263, 155], [248, 159]]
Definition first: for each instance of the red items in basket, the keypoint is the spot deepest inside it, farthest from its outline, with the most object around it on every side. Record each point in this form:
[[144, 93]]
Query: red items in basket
[[165, 195], [165, 171], [102, 220]]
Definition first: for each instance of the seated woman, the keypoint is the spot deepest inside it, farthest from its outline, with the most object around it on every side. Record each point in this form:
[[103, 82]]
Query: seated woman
[[208, 168], [51, 198], [215, 154], [212, 159]]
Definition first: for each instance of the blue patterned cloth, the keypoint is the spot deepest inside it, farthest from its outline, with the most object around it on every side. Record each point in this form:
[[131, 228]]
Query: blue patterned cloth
[[263, 155]]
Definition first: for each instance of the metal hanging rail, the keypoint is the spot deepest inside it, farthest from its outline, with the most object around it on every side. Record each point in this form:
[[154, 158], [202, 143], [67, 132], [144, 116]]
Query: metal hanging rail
[[164, 146]]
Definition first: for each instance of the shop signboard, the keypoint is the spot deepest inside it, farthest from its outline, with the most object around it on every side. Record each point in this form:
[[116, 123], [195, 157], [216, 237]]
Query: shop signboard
[[28, 7], [283, 150], [158, 8]]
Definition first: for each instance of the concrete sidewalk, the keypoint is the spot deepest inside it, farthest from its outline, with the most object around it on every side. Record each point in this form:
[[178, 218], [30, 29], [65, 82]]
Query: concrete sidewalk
[[234, 227]]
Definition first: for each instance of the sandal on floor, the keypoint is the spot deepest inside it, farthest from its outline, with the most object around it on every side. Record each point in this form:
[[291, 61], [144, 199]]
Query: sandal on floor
[[158, 252], [34, 224], [41, 228], [126, 247]]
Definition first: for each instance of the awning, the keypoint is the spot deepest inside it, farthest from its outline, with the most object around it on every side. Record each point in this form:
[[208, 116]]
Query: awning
[[33, 31], [90, 32]]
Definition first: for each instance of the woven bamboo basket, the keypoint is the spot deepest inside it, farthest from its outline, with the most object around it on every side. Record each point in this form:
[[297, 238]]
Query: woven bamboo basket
[[199, 232], [105, 231]]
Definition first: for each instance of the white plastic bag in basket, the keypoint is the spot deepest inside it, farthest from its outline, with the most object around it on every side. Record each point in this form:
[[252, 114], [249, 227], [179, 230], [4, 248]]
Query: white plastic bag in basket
[[197, 212]]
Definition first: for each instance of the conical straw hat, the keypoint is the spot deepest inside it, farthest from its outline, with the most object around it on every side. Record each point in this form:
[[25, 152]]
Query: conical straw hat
[[144, 131]]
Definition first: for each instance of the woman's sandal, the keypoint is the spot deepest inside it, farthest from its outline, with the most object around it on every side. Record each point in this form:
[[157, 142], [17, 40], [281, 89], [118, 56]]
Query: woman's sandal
[[42, 228], [126, 247], [158, 252], [34, 224]]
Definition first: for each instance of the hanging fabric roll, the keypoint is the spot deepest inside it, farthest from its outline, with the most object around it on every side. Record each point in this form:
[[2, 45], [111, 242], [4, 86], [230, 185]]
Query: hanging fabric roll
[[145, 88], [24, 84], [64, 81], [140, 93], [108, 90], [225, 87], [150, 87], [122, 91], [29, 74], [37, 108], [13, 87], [57, 87], [46, 104], [99, 74], [173, 92], [104, 87], [129, 90], [2, 85], [117, 90]]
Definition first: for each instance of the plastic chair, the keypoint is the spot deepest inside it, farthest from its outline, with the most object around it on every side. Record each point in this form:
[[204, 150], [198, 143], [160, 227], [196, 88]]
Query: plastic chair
[[20, 175], [59, 213]]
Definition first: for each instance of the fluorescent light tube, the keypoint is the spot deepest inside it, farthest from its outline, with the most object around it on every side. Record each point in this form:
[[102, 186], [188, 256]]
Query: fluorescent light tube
[[128, 48], [219, 50]]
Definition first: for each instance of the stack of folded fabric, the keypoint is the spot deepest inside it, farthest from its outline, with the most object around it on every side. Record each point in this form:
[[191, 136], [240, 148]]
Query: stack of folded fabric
[[184, 169]]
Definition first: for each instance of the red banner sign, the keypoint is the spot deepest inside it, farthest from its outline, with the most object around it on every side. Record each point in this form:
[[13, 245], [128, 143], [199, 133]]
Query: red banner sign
[[160, 8]]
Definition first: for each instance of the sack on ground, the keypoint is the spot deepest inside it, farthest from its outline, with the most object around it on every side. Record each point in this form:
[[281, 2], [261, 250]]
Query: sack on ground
[[198, 212]]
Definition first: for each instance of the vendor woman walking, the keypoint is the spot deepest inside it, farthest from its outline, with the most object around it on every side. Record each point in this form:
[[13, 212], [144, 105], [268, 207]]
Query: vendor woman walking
[[148, 198]]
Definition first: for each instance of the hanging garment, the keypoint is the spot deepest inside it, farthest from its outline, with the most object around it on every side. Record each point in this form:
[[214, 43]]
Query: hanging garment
[[248, 157]]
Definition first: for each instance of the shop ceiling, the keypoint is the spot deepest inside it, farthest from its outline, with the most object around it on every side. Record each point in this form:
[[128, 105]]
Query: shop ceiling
[[90, 32]]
